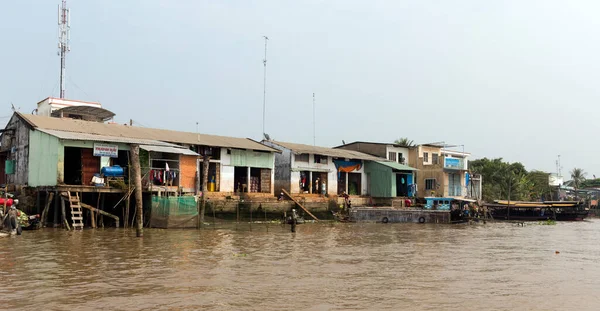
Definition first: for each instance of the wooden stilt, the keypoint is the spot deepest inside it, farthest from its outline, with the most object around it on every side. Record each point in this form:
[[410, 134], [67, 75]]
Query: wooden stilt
[[56, 212], [49, 197], [64, 214], [102, 209], [206, 164], [137, 175]]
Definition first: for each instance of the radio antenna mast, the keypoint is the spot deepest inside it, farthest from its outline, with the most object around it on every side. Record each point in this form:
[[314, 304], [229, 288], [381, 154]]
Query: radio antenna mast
[[64, 36], [265, 85]]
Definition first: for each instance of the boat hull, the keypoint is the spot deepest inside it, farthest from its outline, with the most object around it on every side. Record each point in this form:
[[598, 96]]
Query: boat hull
[[502, 214]]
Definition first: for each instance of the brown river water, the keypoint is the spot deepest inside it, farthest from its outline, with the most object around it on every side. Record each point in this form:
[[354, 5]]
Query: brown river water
[[332, 266]]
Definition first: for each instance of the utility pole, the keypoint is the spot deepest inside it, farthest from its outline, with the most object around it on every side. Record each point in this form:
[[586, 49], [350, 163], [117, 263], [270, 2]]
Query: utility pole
[[64, 36], [265, 86]]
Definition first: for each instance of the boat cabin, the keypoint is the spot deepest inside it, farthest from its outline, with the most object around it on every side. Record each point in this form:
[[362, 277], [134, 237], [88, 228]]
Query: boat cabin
[[445, 203]]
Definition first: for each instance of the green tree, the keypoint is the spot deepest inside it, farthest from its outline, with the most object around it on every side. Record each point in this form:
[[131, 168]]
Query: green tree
[[503, 180], [404, 141], [578, 177]]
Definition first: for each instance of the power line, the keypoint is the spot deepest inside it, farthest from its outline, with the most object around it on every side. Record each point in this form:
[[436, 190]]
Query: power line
[[84, 92]]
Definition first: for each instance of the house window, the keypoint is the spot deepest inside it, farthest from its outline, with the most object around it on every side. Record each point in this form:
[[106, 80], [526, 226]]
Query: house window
[[301, 157], [425, 157], [400, 158], [392, 156], [320, 159], [434, 158], [430, 184]]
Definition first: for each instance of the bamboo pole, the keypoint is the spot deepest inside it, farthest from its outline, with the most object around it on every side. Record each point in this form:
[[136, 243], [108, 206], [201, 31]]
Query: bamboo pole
[[135, 159]]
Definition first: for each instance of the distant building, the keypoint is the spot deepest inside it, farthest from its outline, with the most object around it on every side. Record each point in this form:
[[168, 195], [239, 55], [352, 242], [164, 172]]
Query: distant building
[[443, 172], [302, 169], [391, 178], [392, 152]]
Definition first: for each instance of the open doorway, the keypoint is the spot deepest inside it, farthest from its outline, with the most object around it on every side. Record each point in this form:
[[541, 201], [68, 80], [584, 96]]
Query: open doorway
[[255, 179], [319, 183], [72, 166], [80, 166], [304, 182], [401, 185], [354, 183], [342, 176], [240, 178], [214, 179]]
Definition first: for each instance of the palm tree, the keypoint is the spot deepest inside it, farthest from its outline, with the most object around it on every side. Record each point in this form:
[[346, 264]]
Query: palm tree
[[404, 141], [578, 177]]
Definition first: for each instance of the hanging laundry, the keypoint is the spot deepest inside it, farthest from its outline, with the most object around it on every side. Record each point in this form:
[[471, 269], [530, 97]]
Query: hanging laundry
[[167, 167]]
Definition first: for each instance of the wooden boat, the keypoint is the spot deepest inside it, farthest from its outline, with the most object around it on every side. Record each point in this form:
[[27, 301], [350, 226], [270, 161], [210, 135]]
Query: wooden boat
[[536, 211]]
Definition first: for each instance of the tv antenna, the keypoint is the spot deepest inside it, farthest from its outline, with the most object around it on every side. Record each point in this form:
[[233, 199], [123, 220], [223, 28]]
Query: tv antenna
[[64, 36]]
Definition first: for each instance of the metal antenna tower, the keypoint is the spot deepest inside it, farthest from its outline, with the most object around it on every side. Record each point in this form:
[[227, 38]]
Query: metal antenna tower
[[64, 36], [265, 85], [314, 123]]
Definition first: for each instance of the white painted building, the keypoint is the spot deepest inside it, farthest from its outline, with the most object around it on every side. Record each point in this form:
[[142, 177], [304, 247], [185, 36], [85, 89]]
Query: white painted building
[[302, 169], [74, 109]]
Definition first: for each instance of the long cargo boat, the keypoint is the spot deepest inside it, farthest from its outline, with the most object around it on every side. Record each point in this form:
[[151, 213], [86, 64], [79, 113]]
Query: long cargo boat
[[436, 210], [535, 211]]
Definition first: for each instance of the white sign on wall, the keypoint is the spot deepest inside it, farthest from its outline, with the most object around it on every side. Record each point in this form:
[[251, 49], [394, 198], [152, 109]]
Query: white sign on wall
[[106, 150]]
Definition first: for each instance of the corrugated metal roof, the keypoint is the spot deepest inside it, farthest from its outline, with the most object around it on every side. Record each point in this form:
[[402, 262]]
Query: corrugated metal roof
[[124, 131], [397, 166], [104, 138], [336, 153], [169, 150]]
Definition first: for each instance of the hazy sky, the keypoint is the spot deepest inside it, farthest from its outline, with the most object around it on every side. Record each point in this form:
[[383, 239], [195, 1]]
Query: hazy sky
[[511, 79]]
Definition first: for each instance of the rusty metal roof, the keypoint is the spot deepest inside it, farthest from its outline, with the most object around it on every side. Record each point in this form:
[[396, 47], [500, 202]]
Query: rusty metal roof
[[125, 131], [336, 153]]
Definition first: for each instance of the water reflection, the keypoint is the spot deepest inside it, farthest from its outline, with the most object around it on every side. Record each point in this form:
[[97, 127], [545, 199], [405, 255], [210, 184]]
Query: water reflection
[[321, 267]]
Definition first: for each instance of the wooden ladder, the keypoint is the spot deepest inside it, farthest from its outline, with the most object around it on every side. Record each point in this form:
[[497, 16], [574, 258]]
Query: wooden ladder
[[76, 213]]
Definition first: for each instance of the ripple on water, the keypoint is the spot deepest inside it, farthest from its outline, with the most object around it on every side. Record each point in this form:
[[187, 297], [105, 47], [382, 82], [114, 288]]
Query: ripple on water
[[321, 267]]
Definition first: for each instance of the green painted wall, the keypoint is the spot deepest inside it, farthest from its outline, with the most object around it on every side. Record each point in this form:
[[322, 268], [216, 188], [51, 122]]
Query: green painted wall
[[43, 159], [47, 157], [251, 158], [383, 181]]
